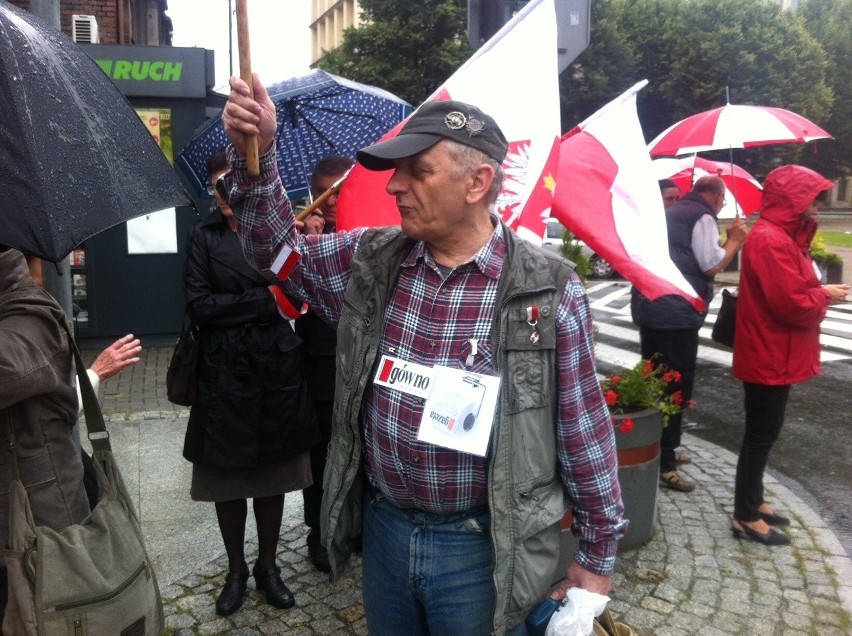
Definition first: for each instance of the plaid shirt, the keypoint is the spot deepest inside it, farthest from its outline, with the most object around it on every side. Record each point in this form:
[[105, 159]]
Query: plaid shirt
[[430, 319]]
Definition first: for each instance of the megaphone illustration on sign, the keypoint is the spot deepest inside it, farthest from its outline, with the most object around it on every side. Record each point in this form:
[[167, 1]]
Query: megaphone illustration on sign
[[457, 413]]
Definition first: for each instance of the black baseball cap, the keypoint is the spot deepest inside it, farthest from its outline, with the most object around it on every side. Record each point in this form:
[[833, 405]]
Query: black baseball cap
[[432, 122]]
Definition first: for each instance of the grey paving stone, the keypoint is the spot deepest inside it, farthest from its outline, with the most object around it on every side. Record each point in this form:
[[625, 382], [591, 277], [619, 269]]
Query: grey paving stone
[[177, 621], [728, 621], [798, 616]]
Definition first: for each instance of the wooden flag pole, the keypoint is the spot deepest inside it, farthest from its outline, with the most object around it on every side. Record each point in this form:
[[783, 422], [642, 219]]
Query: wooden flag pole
[[252, 157], [334, 189], [301, 216]]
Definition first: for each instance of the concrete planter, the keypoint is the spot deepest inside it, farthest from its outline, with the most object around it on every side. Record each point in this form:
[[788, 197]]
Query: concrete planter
[[638, 474], [834, 274], [831, 274]]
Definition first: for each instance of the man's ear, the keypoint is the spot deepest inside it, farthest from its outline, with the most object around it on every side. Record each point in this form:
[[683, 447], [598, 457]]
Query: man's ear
[[480, 182]]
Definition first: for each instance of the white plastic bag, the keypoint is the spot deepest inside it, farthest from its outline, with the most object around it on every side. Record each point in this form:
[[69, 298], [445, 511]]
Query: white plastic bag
[[576, 615]]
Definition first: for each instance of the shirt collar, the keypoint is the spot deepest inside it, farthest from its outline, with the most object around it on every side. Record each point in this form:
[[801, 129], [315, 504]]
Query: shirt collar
[[489, 259]]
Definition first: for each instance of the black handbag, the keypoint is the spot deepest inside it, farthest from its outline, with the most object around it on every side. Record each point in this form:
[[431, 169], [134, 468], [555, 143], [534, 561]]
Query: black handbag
[[182, 375], [726, 320]]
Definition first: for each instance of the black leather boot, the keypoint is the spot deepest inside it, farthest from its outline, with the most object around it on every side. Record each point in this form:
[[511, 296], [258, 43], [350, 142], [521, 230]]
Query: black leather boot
[[317, 553], [269, 581], [231, 597]]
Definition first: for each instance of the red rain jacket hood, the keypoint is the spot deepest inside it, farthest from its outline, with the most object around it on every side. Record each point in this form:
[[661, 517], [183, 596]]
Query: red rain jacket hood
[[787, 193], [781, 300]]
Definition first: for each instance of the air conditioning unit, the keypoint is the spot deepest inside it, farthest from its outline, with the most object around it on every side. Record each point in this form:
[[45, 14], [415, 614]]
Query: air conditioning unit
[[84, 29]]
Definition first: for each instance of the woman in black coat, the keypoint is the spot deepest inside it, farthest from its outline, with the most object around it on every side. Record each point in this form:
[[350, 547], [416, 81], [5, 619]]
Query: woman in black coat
[[252, 425]]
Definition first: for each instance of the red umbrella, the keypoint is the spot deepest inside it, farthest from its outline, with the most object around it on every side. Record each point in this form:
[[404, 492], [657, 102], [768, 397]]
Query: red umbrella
[[743, 188], [734, 126]]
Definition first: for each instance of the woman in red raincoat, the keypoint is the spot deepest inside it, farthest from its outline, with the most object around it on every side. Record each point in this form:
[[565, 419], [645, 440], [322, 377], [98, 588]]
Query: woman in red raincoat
[[780, 308]]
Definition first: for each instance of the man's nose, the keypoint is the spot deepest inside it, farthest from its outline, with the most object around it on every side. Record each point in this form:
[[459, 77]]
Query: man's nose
[[396, 183]]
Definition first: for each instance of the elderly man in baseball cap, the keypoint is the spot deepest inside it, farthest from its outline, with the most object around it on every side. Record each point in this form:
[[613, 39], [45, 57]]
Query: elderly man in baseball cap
[[467, 415]]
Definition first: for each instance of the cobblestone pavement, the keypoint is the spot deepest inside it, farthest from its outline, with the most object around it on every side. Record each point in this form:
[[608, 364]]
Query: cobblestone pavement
[[692, 577]]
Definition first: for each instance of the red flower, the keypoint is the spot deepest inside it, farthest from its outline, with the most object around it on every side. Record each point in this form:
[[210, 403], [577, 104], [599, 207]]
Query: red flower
[[677, 398], [690, 404], [611, 397], [672, 376], [615, 379], [648, 368], [627, 425]]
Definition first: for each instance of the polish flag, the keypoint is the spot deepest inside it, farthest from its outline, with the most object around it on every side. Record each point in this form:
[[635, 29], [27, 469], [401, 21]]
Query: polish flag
[[285, 262], [608, 196], [514, 78], [283, 265]]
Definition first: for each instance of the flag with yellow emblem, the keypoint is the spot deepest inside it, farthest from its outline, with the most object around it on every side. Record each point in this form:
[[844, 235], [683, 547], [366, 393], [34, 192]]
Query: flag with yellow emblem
[[514, 78]]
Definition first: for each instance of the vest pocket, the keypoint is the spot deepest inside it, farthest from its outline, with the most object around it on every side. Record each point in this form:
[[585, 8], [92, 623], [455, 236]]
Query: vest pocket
[[530, 352], [529, 379]]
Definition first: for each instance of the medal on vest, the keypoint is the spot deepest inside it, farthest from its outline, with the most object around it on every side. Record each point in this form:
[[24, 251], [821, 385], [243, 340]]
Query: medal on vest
[[532, 321]]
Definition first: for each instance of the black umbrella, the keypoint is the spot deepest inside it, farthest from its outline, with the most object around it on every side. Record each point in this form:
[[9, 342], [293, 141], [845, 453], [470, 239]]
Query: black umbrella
[[75, 159]]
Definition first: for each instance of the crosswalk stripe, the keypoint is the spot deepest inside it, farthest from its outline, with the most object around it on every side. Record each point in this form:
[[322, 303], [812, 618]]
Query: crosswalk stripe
[[614, 302], [706, 353]]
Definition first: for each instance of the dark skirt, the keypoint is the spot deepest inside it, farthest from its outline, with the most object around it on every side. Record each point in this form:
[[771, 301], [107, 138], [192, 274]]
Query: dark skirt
[[227, 484]]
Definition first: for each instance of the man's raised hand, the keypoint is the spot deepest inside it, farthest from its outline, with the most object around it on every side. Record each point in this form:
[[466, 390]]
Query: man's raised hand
[[246, 116]]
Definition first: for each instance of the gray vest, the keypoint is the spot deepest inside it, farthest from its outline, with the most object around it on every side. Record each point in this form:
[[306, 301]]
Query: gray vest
[[526, 498]]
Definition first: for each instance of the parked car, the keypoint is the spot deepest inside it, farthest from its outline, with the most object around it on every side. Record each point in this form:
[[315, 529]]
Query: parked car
[[553, 241]]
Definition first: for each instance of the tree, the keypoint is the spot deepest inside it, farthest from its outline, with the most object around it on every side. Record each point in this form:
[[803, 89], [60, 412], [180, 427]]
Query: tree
[[604, 70], [408, 48], [690, 51], [761, 54], [828, 21]]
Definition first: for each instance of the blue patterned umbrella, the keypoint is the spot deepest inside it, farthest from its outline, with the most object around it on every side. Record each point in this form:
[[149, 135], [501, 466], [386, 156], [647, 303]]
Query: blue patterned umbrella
[[319, 114]]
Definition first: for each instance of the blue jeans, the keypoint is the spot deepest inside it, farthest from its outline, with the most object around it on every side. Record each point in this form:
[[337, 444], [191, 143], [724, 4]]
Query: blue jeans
[[426, 574]]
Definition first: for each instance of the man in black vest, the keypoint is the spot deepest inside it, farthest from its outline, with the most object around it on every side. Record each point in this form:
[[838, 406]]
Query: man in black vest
[[319, 345], [668, 326]]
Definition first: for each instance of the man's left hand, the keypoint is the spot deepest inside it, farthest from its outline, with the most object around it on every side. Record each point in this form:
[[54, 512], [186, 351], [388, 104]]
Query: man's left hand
[[578, 576]]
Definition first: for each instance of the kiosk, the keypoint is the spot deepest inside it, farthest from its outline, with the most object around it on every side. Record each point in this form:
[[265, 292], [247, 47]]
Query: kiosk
[[128, 279]]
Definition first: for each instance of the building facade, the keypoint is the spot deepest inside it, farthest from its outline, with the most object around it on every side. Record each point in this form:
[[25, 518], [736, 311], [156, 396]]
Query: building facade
[[108, 21], [329, 18]]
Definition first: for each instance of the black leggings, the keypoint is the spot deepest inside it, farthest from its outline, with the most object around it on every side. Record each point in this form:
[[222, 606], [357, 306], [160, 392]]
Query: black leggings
[[764, 417], [232, 524]]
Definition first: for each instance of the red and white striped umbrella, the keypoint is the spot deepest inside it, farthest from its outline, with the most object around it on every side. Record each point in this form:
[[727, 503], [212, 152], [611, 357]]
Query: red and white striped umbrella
[[734, 126], [744, 191]]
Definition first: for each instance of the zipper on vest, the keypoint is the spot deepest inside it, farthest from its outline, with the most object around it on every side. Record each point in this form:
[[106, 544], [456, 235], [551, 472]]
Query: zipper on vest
[[530, 494]]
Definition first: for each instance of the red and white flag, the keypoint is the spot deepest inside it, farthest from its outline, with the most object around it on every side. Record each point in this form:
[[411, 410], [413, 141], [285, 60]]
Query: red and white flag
[[283, 265], [513, 77], [608, 196]]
